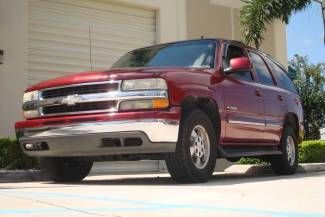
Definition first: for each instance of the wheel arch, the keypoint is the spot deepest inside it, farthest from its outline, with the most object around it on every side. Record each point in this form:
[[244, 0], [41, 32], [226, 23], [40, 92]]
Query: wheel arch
[[206, 104], [291, 119]]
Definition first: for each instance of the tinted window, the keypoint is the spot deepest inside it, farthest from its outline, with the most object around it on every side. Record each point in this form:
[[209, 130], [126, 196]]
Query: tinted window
[[281, 76], [198, 54], [235, 52], [262, 72]]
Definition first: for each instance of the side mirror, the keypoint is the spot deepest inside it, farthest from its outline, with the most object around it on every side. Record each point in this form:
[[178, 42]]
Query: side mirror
[[238, 64]]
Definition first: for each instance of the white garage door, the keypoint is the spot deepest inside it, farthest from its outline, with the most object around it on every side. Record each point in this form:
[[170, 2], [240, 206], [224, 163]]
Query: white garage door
[[81, 35], [68, 36]]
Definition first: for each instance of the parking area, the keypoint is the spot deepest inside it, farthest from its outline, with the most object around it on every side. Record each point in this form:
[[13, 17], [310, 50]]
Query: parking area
[[300, 195]]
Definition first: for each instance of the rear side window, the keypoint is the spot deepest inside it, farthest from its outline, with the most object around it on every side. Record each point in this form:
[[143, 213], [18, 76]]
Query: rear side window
[[281, 76], [262, 72]]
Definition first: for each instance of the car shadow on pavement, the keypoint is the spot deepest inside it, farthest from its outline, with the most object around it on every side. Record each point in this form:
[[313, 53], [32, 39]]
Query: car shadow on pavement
[[215, 180]]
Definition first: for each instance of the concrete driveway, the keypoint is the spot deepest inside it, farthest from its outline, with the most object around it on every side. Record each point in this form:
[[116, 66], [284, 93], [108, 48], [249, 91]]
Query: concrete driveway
[[300, 195]]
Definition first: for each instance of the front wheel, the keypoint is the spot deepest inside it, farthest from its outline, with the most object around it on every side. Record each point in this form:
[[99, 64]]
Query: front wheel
[[195, 156], [68, 169], [287, 163]]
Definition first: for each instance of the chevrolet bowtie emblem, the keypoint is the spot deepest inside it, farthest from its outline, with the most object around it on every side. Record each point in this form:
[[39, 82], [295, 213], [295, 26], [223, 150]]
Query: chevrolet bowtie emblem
[[71, 100]]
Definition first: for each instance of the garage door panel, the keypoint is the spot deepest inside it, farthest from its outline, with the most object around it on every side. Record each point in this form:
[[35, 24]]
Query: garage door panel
[[133, 37], [98, 43], [63, 35], [83, 55], [82, 15], [106, 5], [54, 67], [58, 46], [47, 28], [52, 60]]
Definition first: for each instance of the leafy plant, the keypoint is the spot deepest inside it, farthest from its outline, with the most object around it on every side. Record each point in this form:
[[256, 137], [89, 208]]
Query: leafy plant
[[12, 157], [310, 84], [247, 160], [312, 151], [255, 14]]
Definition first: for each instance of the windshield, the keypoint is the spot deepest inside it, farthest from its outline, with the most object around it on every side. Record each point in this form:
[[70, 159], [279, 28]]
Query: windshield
[[198, 54]]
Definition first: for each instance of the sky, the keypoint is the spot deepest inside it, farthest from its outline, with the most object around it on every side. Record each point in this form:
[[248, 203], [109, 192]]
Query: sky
[[305, 34]]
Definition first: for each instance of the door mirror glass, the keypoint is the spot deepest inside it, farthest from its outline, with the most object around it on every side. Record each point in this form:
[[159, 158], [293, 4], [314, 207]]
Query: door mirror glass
[[238, 64]]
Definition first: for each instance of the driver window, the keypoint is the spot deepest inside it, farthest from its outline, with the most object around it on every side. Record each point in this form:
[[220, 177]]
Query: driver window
[[235, 52]]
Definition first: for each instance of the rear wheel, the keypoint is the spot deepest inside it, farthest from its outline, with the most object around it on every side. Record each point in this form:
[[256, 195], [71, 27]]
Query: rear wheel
[[69, 169], [195, 156], [287, 163]]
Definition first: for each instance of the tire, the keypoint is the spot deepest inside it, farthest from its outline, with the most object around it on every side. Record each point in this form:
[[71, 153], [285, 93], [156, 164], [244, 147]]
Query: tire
[[287, 163], [192, 163], [69, 169]]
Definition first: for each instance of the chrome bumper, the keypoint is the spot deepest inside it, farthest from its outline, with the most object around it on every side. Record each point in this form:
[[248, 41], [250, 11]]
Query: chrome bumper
[[158, 136]]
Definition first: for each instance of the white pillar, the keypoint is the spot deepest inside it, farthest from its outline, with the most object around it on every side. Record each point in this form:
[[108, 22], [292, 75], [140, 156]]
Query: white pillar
[[280, 42]]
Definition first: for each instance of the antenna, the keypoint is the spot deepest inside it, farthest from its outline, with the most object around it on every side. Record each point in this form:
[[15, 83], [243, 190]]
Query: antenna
[[90, 49]]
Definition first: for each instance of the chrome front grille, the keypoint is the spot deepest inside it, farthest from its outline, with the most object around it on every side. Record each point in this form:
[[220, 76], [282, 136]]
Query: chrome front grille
[[86, 98], [80, 89], [80, 107]]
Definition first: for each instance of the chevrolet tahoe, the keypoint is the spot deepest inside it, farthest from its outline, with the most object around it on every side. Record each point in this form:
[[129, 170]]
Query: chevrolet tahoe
[[187, 102]]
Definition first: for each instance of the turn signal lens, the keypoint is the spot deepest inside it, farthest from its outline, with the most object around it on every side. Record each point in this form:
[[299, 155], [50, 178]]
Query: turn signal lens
[[143, 104], [160, 103]]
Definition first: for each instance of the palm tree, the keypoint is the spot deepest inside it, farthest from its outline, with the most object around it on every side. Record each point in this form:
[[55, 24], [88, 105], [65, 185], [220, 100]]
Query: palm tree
[[255, 14]]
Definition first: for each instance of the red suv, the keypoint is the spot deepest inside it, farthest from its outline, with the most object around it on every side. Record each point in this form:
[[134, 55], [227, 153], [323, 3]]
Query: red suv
[[187, 102]]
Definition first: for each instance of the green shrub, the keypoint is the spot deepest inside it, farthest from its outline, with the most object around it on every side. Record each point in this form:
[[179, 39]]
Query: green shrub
[[250, 160], [12, 157], [312, 151]]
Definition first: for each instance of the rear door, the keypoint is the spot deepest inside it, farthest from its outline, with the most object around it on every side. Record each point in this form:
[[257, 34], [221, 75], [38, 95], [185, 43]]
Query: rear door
[[274, 99], [243, 104]]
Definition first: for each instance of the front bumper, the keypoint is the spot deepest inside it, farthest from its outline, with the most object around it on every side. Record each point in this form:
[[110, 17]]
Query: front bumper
[[101, 138]]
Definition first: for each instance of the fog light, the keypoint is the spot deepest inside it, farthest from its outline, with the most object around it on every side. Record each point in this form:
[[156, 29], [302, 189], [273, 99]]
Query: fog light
[[29, 146], [31, 114]]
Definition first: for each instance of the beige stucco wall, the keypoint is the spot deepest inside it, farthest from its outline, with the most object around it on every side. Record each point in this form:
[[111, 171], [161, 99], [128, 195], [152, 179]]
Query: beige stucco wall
[[13, 74], [214, 18], [171, 18], [176, 20]]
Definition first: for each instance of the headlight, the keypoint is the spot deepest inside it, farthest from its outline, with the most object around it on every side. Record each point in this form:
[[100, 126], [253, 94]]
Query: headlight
[[144, 104], [31, 96], [31, 114], [144, 84]]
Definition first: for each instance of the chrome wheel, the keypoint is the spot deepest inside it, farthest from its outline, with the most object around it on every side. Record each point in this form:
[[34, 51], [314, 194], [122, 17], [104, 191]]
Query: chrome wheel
[[291, 151], [200, 146]]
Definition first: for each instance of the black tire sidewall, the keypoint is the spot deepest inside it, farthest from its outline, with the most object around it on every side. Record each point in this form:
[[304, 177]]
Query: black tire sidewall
[[290, 132], [197, 117], [280, 164], [59, 170]]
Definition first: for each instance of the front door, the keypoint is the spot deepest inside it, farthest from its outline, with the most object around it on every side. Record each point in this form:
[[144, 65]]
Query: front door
[[243, 99], [273, 97]]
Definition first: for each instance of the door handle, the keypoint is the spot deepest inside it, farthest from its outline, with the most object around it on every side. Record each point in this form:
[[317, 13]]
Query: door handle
[[258, 93], [280, 97]]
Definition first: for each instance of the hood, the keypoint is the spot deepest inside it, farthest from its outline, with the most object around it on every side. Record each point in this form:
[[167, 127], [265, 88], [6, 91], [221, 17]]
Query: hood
[[113, 74]]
